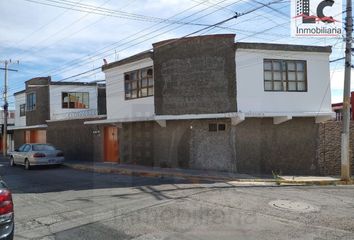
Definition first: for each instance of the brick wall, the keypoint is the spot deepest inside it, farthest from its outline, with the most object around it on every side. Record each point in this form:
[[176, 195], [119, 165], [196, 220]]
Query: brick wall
[[329, 147]]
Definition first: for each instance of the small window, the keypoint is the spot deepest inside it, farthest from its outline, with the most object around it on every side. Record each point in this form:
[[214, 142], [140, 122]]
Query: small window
[[221, 127], [31, 101], [22, 110], [78, 100], [213, 127]]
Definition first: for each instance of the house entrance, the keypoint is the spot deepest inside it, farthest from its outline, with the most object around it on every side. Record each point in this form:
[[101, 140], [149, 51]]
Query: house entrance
[[111, 144]]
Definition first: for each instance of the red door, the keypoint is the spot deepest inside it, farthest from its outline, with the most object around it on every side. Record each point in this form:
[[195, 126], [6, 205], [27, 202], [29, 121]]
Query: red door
[[111, 146]]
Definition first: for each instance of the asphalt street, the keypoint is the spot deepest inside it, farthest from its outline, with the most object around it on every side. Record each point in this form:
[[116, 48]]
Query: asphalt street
[[61, 203]]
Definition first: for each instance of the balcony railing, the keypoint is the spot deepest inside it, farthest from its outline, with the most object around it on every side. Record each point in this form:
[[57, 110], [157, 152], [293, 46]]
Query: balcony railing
[[75, 114]]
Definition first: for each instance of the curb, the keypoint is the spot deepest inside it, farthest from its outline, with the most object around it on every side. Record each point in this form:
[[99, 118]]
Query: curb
[[198, 179], [193, 179]]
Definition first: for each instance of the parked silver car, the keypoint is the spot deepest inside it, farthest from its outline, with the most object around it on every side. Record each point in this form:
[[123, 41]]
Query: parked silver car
[[36, 154]]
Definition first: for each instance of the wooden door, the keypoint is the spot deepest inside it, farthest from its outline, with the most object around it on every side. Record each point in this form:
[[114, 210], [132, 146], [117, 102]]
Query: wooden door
[[111, 145], [39, 136], [27, 136], [35, 136]]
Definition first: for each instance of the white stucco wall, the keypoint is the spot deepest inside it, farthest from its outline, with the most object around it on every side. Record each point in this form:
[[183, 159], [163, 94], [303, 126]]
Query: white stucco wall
[[251, 97], [19, 99], [117, 106], [55, 101]]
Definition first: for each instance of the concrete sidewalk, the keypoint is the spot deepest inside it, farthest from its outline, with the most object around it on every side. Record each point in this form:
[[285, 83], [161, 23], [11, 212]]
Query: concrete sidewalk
[[197, 175]]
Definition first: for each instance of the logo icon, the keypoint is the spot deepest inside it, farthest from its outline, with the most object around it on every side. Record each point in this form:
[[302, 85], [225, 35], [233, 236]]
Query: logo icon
[[316, 18]]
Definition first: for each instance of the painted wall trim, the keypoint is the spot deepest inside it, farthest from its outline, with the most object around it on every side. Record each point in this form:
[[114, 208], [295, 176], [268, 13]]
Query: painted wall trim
[[28, 127], [292, 114], [237, 120], [237, 117], [321, 119], [280, 120], [162, 123]]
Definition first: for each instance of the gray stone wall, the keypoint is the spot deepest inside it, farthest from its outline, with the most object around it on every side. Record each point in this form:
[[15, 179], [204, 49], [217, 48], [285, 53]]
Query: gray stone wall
[[182, 144], [39, 86], [329, 147], [19, 138], [195, 75], [98, 141], [296, 147], [136, 143], [289, 148], [172, 145], [212, 150], [75, 139]]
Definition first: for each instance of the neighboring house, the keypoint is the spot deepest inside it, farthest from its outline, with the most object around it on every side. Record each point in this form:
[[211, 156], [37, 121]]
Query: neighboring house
[[48, 111], [10, 122], [208, 103], [338, 109]]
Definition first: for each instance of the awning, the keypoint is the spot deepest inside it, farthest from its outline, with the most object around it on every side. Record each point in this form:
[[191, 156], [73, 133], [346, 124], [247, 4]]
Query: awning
[[27, 127], [236, 117]]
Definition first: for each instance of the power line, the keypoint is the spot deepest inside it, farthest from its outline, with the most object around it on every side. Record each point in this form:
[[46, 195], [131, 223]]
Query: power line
[[40, 28], [212, 26], [78, 61], [142, 41], [59, 31], [111, 13]]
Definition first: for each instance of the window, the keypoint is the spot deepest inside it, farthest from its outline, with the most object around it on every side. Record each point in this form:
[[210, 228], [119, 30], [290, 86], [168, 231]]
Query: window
[[22, 147], [221, 127], [78, 100], [22, 110], [27, 148], [285, 75], [214, 127], [139, 83], [43, 147], [31, 101]]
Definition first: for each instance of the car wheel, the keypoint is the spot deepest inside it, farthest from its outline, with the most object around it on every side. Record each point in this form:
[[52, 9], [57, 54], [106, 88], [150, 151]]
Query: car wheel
[[12, 162], [27, 165]]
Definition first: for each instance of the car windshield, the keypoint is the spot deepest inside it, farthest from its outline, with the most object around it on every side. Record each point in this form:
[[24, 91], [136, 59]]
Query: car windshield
[[43, 147]]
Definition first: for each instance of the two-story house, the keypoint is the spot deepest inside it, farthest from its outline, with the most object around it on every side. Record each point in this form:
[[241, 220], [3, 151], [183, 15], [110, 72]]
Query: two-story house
[[54, 112], [207, 102]]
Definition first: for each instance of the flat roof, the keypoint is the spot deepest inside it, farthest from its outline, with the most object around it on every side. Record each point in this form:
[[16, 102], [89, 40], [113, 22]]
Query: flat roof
[[238, 45], [282, 47], [28, 127], [173, 40], [134, 58], [22, 91], [74, 83]]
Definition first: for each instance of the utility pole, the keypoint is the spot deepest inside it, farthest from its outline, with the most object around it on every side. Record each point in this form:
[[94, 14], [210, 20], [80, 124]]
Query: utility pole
[[6, 105], [345, 153]]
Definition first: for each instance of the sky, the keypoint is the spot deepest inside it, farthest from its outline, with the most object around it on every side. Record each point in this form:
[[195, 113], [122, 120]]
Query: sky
[[63, 42]]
